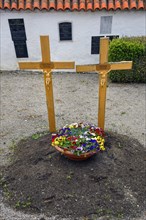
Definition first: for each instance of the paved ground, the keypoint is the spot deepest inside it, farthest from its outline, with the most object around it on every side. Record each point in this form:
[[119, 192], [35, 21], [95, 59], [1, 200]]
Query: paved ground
[[24, 112]]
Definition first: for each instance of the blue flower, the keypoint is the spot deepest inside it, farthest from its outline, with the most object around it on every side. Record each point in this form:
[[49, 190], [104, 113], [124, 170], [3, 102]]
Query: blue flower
[[93, 141], [92, 147]]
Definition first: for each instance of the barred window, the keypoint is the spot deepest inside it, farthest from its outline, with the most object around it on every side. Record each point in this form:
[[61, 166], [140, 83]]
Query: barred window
[[95, 43], [65, 31], [106, 24], [18, 35]]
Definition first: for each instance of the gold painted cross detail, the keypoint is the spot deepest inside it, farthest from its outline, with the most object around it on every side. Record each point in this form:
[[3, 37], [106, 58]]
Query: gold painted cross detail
[[103, 68], [47, 65]]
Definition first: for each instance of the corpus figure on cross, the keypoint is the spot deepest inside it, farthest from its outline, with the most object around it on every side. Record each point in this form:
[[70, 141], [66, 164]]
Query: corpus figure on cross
[[47, 66], [103, 68]]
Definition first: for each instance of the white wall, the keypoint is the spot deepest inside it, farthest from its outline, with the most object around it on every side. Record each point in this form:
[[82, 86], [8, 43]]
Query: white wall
[[84, 25]]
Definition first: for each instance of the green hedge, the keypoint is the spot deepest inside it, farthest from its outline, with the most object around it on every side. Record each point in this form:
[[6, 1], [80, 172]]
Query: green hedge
[[125, 49]]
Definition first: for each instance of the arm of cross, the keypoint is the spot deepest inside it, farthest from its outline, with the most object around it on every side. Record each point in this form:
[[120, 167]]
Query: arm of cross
[[45, 48], [124, 65], [107, 67], [103, 58], [93, 68], [46, 63], [64, 65], [46, 66], [85, 68], [31, 65]]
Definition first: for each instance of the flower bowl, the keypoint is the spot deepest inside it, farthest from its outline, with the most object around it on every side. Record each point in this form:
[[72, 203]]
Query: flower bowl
[[72, 156], [79, 141]]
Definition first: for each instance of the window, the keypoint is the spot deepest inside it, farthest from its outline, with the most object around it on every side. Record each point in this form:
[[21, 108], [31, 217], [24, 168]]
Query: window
[[21, 49], [65, 31], [18, 37], [95, 43], [106, 24]]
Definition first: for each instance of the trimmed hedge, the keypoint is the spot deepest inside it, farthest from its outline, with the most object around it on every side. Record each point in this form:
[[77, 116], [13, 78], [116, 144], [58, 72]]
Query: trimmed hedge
[[125, 49]]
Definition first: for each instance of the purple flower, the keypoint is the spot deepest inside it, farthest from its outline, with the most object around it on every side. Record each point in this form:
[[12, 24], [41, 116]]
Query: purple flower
[[92, 147]]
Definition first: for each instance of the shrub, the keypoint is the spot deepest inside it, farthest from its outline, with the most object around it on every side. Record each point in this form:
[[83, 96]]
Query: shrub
[[125, 49]]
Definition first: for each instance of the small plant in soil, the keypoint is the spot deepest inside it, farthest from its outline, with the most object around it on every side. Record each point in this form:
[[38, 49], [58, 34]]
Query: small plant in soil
[[68, 177], [23, 204], [6, 192], [38, 135], [123, 113], [13, 146]]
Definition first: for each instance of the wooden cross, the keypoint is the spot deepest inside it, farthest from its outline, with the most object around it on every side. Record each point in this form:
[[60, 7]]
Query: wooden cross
[[47, 65], [103, 68]]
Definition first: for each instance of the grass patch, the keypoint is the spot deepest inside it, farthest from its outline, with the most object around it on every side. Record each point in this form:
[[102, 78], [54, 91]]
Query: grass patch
[[39, 135]]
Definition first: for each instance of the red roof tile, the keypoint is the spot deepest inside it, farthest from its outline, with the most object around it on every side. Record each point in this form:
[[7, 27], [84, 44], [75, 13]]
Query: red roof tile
[[44, 4], [72, 4], [21, 4], [111, 5]]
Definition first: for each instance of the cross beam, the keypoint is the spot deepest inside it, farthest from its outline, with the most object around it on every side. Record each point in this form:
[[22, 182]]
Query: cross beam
[[47, 66], [103, 68]]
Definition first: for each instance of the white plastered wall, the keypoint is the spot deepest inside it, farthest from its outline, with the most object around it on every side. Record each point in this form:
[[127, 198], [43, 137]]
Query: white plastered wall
[[84, 26]]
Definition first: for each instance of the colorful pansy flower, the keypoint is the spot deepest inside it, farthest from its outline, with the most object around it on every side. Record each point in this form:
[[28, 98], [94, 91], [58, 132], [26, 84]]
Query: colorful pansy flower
[[79, 138]]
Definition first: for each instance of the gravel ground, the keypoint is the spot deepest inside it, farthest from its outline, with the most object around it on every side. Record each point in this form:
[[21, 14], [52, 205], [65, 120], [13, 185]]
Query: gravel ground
[[24, 112]]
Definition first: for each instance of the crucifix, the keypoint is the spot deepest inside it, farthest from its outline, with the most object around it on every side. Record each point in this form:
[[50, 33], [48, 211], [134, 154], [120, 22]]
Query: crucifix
[[103, 68], [47, 66]]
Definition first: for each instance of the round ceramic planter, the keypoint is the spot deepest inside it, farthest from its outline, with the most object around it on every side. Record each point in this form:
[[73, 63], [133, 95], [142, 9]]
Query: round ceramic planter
[[72, 156]]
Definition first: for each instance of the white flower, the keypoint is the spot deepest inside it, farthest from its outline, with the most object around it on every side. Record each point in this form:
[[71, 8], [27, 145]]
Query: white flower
[[66, 126], [93, 134]]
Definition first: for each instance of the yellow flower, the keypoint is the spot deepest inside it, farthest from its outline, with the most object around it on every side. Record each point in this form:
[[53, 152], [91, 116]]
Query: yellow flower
[[71, 126], [98, 138], [56, 142], [102, 147], [63, 138]]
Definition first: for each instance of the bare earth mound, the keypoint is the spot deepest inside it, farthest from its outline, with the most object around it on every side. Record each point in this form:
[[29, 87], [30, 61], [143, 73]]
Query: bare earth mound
[[108, 184]]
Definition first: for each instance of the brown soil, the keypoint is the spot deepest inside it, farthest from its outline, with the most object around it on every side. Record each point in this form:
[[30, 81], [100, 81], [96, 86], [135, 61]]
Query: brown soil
[[112, 183]]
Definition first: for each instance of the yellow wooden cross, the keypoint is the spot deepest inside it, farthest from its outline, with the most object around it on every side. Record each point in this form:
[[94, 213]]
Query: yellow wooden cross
[[47, 65], [103, 68]]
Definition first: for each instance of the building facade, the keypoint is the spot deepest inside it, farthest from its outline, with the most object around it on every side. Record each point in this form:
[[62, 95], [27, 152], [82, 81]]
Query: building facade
[[74, 30]]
